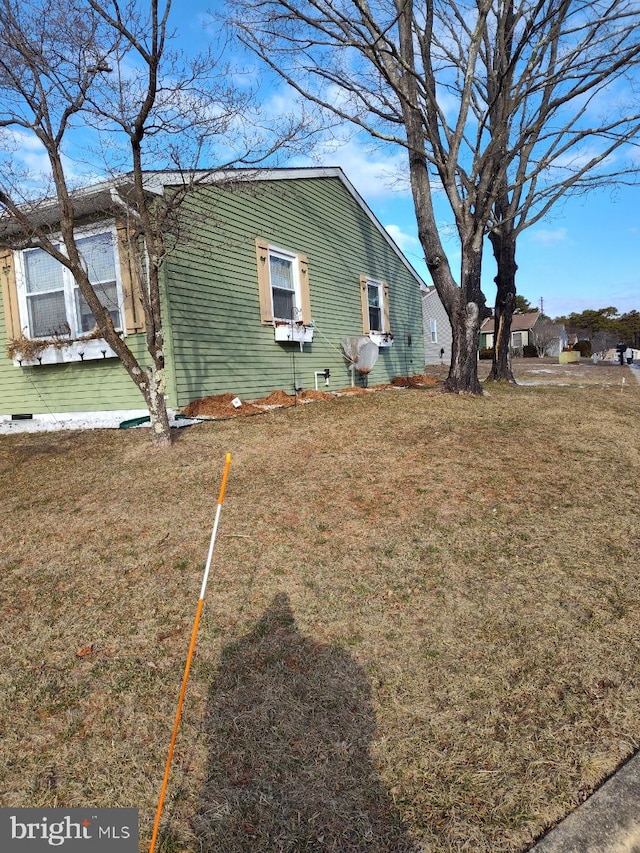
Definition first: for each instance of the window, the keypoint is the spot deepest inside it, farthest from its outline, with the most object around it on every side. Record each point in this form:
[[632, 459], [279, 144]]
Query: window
[[375, 306], [283, 285], [44, 284], [285, 288], [517, 340], [99, 256], [374, 302], [434, 331], [50, 298]]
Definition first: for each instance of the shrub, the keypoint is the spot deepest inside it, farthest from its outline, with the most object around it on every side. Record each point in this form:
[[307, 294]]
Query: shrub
[[486, 353], [529, 351], [583, 347]]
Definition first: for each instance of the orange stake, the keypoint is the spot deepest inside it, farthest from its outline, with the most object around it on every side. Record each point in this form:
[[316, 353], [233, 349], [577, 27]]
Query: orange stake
[[192, 646]]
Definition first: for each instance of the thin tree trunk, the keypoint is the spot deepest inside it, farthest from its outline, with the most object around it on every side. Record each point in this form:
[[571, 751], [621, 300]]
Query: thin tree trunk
[[504, 251], [156, 401]]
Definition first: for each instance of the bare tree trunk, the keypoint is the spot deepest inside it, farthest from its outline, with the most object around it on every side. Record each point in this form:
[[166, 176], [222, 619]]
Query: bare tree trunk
[[156, 401], [467, 315], [465, 305], [504, 251]]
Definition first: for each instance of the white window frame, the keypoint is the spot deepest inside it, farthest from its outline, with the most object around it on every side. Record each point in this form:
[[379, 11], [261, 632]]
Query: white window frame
[[69, 285], [433, 330], [372, 282], [294, 261]]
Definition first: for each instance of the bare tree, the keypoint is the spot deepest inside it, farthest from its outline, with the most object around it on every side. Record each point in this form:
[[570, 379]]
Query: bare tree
[[97, 85], [546, 337], [564, 106], [492, 101], [603, 341], [381, 67]]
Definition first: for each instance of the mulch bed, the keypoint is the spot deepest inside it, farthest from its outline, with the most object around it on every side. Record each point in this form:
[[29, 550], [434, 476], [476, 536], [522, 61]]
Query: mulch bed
[[418, 381], [220, 405]]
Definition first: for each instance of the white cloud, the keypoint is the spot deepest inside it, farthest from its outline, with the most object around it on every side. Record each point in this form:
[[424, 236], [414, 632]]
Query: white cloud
[[406, 241], [28, 149], [548, 236], [375, 173]]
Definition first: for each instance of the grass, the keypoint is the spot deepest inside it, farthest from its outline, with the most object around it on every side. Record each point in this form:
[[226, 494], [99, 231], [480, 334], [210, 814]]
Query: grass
[[422, 627]]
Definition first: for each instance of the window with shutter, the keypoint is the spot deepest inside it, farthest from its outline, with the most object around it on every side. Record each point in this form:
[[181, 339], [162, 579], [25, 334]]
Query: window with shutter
[[283, 285], [375, 306]]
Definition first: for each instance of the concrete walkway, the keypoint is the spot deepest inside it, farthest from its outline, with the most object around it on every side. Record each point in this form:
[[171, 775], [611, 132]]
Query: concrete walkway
[[608, 822]]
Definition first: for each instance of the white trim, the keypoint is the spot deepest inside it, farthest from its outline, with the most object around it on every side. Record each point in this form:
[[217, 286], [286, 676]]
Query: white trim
[[69, 284], [82, 420], [70, 420], [294, 260]]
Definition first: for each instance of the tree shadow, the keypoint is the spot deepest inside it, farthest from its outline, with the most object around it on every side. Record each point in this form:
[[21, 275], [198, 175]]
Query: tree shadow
[[290, 721]]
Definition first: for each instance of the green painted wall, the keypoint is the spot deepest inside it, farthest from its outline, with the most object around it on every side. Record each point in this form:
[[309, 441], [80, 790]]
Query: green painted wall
[[218, 342]]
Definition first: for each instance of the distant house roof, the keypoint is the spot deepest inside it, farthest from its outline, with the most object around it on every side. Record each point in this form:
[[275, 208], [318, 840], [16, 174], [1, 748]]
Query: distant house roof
[[519, 322]]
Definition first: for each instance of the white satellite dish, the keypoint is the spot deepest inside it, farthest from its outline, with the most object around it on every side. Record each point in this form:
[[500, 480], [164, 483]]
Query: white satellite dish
[[361, 353]]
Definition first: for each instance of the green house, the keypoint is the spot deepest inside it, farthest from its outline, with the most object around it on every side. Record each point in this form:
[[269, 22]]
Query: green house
[[271, 279]]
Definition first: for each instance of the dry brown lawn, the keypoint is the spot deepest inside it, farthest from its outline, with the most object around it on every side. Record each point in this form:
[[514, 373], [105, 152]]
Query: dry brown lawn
[[421, 633]]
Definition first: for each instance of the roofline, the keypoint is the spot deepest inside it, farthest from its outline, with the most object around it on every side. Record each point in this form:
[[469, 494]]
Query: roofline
[[291, 173], [156, 181]]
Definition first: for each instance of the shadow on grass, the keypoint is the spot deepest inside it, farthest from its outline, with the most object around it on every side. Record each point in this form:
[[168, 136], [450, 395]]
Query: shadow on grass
[[290, 721]]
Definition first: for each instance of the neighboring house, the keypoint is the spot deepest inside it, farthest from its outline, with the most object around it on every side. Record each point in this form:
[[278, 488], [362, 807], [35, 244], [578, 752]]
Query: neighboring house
[[437, 329], [614, 356], [270, 275], [522, 326], [552, 337]]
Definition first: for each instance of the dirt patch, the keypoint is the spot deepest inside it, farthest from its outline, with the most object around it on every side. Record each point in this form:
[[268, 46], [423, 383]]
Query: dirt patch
[[219, 406], [315, 396], [417, 381], [275, 398], [355, 389]]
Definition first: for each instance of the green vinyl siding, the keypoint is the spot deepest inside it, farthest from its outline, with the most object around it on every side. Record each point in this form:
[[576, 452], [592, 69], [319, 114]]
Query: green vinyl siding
[[219, 344], [89, 386], [214, 339]]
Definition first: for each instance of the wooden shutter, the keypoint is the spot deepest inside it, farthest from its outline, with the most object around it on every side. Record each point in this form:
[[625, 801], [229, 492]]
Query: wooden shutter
[[264, 282], [10, 294], [364, 296], [386, 319], [305, 300], [133, 309]]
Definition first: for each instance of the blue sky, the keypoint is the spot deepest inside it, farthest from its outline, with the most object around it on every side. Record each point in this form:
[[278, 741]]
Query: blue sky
[[586, 254]]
